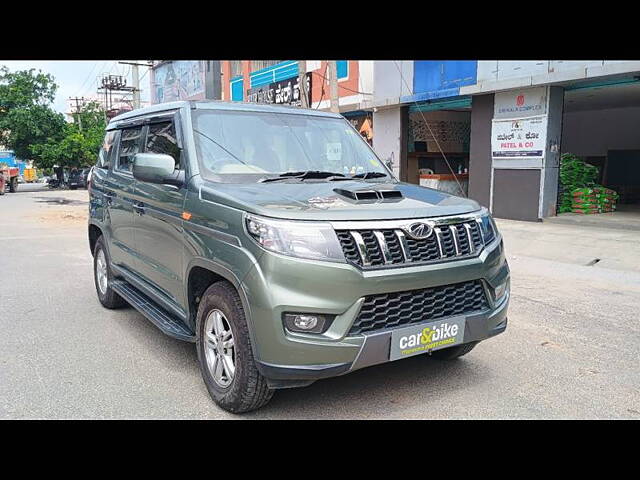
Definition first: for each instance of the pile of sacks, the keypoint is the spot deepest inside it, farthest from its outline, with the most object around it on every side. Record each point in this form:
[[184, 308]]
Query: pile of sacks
[[590, 200]]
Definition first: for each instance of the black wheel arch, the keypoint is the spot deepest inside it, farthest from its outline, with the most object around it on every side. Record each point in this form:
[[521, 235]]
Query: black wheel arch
[[95, 232], [201, 273]]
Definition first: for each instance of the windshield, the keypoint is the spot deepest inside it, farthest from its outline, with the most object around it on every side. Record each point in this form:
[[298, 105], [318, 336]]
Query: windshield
[[243, 147]]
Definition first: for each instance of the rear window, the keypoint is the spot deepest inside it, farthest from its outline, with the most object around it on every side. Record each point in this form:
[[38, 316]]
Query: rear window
[[106, 151]]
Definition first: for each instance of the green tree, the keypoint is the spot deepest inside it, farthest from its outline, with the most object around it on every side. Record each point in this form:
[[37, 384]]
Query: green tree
[[80, 141], [26, 117]]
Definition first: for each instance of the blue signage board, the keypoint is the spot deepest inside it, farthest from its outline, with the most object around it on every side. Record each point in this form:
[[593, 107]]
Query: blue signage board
[[441, 78]]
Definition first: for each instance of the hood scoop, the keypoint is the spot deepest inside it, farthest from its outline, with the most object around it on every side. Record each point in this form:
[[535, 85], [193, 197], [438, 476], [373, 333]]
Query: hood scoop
[[360, 195]]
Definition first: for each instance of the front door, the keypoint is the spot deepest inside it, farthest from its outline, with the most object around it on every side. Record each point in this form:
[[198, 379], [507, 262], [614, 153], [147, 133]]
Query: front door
[[159, 233], [118, 193]]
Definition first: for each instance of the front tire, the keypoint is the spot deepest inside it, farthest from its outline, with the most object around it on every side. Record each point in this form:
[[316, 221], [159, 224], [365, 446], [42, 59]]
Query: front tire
[[103, 277], [13, 185], [225, 353]]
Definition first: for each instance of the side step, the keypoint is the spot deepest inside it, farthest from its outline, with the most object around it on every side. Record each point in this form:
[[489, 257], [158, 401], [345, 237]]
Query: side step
[[166, 322]]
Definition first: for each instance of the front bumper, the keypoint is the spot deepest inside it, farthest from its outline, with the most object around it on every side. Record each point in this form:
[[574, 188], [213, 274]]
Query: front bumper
[[278, 284]]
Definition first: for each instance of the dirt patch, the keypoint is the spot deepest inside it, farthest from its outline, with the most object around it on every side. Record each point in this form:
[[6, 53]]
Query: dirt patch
[[64, 216]]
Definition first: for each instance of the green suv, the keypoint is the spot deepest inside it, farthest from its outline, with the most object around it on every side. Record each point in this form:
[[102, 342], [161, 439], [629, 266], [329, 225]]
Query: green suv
[[277, 241]]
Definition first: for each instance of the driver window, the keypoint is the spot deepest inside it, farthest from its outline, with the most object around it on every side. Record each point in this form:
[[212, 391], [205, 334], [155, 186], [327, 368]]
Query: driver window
[[161, 138], [129, 146]]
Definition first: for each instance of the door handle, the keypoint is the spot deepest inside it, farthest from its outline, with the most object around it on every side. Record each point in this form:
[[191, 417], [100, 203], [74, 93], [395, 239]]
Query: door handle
[[109, 197], [139, 208]]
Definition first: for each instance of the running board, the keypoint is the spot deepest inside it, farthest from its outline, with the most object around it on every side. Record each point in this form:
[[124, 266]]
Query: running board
[[162, 319]]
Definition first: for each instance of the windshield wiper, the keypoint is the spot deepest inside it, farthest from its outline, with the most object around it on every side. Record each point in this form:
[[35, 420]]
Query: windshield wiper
[[305, 175], [366, 175]]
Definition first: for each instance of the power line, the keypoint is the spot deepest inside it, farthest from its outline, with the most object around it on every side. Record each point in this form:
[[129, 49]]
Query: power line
[[89, 76], [431, 131], [340, 86], [322, 86]]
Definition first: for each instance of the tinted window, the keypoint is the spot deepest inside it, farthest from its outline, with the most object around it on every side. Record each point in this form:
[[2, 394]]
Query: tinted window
[[106, 151], [129, 146], [161, 138]]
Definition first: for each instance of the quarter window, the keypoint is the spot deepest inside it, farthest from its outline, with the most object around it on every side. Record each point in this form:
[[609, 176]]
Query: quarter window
[[106, 151], [161, 138], [129, 146]]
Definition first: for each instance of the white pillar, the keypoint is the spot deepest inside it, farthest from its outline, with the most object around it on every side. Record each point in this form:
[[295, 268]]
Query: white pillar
[[387, 135]]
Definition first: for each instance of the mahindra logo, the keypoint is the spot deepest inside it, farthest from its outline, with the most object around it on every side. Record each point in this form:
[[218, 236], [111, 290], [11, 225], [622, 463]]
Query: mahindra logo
[[520, 100], [420, 230]]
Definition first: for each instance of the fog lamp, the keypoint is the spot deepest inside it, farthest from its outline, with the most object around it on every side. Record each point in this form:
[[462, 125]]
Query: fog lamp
[[501, 290], [305, 322]]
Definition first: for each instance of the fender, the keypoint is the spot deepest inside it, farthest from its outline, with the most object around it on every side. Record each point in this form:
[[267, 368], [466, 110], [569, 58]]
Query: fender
[[231, 278]]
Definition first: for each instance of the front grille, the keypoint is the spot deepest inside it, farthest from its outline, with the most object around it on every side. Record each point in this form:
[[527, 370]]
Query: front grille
[[414, 306], [375, 248]]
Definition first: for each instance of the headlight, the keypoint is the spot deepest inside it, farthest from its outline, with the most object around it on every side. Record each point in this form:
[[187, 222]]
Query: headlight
[[488, 228], [312, 240]]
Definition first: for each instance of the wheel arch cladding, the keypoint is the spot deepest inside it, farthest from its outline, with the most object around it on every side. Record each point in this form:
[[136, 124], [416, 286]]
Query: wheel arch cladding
[[198, 280], [94, 234]]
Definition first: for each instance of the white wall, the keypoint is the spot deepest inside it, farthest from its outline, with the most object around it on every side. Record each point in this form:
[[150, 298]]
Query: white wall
[[593, 132], [386, 137], [389, 84], [498, 75]]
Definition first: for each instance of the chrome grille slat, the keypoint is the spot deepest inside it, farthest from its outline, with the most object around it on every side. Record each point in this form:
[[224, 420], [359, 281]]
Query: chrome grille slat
[[472, 247], [386, 254], [456, 243], [395, 246], [362, 249], [402, 238], [438, 233]]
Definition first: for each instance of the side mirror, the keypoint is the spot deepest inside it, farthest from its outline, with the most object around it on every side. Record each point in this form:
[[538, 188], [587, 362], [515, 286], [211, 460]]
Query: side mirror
[[156, 168]]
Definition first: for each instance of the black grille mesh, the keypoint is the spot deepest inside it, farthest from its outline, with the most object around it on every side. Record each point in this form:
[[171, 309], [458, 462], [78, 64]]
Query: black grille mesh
[[414, 306]]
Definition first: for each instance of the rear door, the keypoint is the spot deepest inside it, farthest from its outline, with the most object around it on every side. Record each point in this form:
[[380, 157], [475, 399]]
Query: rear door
[[159, 233], [118, 191]]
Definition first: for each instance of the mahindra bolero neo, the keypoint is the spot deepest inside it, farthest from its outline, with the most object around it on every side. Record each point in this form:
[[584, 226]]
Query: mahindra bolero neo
[[278, 242]]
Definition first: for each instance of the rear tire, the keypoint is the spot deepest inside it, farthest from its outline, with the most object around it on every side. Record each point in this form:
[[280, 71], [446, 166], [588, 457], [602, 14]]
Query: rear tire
[[103, 277], [452, 353], [238, 386], [13, 185]]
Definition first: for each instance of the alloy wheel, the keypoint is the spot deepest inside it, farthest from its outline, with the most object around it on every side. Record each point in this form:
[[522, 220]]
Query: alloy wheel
[[101, 272], [219, 348]]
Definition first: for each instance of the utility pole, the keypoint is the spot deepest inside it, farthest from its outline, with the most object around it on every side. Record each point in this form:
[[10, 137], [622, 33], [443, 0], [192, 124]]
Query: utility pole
[[302, 82], [77, 112], [135, 80], [333, 85]]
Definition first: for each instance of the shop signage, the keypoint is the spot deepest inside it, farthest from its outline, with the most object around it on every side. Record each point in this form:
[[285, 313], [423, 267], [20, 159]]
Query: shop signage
[[283, 92], [517, 138], [520, 103]]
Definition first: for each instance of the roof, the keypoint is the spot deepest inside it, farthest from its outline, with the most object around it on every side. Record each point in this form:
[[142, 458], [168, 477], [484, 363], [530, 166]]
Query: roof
[[220, 105]]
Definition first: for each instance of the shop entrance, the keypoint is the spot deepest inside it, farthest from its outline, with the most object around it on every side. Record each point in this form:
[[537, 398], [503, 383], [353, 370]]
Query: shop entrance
[[435, 128], [601, 124]]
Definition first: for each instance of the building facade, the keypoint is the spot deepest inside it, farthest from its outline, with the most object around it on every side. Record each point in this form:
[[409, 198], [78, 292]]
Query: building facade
[[501, 126], [172, 80], [495, 130]]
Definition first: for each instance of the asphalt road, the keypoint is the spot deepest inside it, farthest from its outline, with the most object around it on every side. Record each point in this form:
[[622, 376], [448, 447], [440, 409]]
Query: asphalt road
[[570, 351]]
